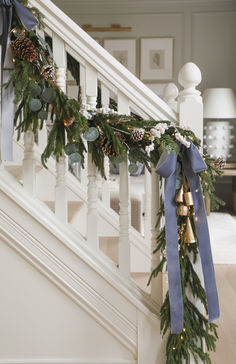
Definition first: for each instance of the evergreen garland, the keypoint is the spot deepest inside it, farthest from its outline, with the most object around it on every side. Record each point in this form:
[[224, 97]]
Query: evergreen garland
[[36, 97]]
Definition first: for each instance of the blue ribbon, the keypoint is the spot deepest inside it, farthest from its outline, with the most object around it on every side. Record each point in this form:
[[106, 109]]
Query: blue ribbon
[[29, 21], [167, 168]]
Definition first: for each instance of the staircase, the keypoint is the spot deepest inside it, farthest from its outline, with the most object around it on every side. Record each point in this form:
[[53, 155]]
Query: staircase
[[73, 271]]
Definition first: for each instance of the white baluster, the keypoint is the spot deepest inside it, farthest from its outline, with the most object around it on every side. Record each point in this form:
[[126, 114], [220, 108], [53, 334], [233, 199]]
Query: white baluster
[[42, 137], [61, 78], [105, 97], [61, 208], [147, 206], [106, 195], [83, 171], [83, 87], [92, 215], [91, 86], [170, 94], [156, 283], [61, 205], [42, 133], [29, 163], [105, 100], [190, 105], [124, 239]]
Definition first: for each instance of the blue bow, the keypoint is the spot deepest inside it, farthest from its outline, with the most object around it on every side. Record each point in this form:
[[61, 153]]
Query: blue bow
[[27, 19], [167, 168]]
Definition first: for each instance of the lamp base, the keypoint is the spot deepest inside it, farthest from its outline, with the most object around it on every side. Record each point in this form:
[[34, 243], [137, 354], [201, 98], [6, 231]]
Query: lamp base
[[218, 139]]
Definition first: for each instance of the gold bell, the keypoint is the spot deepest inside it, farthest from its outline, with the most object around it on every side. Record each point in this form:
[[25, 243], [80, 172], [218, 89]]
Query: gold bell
[[189, 235], [188, 198], [182, 210], [180, 195]]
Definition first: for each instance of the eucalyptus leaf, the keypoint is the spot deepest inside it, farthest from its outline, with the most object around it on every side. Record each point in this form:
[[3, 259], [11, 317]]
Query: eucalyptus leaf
[[91, 134], [117, 160], [36, 91], [48, 95], [75, 157], [35, 104], [133, 168], [43, 115], [70, 148]]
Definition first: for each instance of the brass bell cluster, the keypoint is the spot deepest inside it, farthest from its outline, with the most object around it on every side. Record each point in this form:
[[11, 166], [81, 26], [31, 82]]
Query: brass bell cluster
[[184, 200]]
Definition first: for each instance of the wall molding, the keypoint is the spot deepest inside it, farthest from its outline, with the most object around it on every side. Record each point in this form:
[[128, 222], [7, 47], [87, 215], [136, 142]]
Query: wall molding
[[66, 361], [68, 282], [92, 7]]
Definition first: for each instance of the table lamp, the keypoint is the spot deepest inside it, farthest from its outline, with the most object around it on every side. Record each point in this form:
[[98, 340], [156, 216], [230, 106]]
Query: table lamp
[[220, 105]]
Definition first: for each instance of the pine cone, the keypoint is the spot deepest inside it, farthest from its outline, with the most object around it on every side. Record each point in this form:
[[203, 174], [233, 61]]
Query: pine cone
[[24, 49], [68, 122], [48, 72], [137, 134], [220, 163], [107, 147]]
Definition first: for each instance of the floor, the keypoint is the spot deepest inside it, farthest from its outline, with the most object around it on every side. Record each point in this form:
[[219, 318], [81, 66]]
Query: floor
[[226, 345]]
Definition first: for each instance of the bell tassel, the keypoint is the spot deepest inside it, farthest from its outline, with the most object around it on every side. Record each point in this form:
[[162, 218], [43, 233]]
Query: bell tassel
[[188, 198], [189, 235], [180, 195]]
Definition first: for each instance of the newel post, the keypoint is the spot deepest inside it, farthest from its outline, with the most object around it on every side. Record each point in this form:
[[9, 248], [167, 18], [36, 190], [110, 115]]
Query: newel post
[[190, 106], [170, 95]]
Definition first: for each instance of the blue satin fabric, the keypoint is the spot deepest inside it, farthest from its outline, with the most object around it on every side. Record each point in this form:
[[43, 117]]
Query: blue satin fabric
[[27, 19], [167, 167]]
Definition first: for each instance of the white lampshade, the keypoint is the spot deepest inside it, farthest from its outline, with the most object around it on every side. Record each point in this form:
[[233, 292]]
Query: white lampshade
[[219, 103]]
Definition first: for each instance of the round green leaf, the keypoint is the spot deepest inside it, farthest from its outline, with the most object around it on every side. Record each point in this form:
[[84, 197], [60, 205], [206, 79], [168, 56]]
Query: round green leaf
[[43, 115], [70, 148], [35, 104], [117, 160], [75, 157], [133, 168], [48, 95], [91, 134], [36, 91]]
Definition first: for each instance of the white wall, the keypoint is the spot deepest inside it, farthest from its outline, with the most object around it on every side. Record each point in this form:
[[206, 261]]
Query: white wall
[[204, 31]]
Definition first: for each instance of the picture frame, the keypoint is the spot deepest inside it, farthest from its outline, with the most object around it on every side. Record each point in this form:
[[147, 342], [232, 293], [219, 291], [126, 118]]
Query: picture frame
[[156, 59], [124, 50]]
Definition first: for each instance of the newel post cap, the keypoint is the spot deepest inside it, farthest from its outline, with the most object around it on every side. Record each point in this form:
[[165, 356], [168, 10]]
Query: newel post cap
[[190, 77]]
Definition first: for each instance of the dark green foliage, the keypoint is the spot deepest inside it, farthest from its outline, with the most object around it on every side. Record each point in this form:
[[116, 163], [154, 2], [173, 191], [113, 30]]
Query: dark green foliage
[[36, 97]]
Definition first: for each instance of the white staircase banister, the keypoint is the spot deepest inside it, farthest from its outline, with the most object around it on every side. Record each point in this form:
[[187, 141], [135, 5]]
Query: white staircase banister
[[104, 63]]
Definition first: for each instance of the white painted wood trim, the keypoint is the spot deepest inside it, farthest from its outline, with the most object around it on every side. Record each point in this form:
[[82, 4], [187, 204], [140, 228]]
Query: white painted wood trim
[[69, 282], [75, 242], [102, 61], [67, 361]]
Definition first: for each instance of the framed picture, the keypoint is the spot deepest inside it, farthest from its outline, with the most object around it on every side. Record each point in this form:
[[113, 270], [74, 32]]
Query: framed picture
[[124, 50], [156, 61]]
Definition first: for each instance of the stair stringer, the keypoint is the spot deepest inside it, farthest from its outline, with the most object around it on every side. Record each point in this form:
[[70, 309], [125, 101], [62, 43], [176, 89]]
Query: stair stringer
[[95, 286], [140, 250]]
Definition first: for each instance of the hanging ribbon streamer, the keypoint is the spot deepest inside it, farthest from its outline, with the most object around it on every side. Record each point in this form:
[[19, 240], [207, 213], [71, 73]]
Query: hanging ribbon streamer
[[167, 168], [29, 21]]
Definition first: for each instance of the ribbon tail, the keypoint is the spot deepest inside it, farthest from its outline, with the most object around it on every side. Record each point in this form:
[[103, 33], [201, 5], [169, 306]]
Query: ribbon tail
[[200, 221], [28, 20], [4, 34], [166, 167], [7, 115]]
